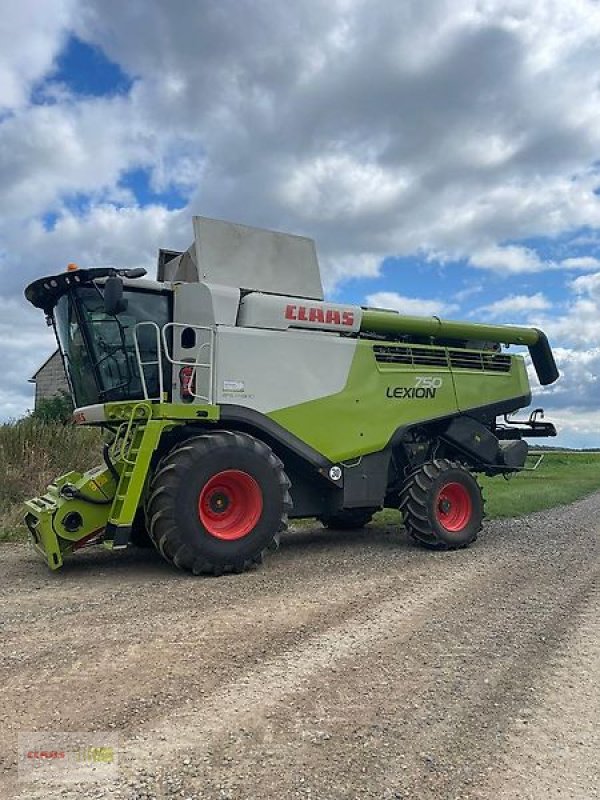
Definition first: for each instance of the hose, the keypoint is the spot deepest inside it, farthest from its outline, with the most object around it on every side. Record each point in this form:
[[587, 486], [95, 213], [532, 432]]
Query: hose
[[109, 463], [71, 493]]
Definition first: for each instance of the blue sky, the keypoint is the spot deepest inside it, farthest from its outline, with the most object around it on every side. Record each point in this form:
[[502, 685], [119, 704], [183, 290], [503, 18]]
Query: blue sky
[[444, 158]]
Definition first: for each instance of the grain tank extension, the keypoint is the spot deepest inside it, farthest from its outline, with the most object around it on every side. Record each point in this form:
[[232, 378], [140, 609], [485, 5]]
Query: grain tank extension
[[233, 397]]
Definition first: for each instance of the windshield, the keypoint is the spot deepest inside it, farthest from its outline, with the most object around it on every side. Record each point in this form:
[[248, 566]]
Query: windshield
[[99, 349]]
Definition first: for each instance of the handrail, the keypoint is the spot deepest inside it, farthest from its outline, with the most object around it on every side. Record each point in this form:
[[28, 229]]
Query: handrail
[[156, 363], [195, 365], [162, 346], [120, 448]]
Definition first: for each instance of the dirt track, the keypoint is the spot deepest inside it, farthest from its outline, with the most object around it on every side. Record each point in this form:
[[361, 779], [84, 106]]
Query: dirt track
[[350, 666]]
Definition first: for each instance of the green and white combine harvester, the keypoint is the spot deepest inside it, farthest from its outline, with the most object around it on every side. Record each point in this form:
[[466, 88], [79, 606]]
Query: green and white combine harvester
[[233, 398]]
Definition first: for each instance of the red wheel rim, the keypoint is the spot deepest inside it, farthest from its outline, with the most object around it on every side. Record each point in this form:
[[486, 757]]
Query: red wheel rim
[[230, 504], [454, 507]]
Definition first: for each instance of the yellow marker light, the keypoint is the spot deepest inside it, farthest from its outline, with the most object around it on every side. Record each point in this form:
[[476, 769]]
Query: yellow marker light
[[72, 267]]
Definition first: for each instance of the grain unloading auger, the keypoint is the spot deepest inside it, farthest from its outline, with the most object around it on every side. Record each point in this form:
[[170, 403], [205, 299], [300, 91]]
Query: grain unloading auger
[[233, 397]]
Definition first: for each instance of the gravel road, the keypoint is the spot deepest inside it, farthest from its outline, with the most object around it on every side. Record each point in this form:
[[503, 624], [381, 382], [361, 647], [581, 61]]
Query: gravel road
[[352, 665]]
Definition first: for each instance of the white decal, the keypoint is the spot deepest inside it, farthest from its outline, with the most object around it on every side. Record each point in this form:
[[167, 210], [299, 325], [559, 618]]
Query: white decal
[[428, 382], [234, 386]]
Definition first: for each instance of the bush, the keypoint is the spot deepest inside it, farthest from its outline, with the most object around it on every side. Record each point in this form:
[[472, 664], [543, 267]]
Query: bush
[[33, 452], [58, 408]]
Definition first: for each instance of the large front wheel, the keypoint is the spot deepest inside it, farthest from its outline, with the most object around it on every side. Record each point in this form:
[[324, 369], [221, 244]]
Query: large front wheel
[[442, 505], [217, 502]]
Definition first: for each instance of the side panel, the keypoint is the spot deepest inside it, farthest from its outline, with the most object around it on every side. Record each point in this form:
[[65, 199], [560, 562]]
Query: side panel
[[333, 394], [269, 370], [381, 397], [376, 401]]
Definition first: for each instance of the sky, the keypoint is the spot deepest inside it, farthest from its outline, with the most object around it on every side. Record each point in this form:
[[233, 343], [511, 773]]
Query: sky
[[445, 156]]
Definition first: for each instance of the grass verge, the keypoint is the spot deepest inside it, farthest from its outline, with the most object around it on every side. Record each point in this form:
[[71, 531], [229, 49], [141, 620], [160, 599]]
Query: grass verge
[[32, 454], [560, 478]]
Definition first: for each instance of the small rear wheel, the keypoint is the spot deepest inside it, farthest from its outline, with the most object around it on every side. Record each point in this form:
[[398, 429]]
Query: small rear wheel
[[442, 505], [348, 519], [217, 502]]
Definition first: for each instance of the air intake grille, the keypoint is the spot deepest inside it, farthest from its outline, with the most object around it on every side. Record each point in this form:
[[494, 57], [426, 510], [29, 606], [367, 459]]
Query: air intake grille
[[487, 362], [440, 357]]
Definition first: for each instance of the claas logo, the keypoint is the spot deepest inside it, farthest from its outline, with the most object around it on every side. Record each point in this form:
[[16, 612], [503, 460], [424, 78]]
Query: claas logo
[[327, 316]]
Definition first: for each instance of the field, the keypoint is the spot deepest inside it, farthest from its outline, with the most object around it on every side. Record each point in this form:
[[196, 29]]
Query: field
[[560, 478], [32, 453]]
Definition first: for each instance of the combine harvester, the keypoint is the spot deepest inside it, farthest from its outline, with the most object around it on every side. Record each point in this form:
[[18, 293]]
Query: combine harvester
[[233, 397]]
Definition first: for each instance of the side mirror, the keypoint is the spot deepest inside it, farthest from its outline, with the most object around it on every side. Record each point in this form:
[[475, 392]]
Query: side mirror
[[114, 303]]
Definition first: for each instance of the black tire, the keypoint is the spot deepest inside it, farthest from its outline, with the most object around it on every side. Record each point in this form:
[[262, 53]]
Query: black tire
[[217, 502], [348, 519], [139, 536], [442, 505]]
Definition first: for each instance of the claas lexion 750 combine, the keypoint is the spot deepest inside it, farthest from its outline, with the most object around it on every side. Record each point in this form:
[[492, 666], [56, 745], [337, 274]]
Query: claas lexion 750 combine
[[233, 398]]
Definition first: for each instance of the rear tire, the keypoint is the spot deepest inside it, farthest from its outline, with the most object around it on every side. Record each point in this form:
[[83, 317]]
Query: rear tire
[[217, 502], [348, 519], [442, 505]]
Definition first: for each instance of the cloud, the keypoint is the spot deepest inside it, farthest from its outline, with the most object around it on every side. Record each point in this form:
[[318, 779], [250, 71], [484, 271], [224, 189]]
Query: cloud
[[32, 35], [513, 259], [343, 125], [579, 326], [104, 235], [579, 385], [587, 285], [581, 262], [27, 342], [448, 132], [410, 305], [581, 428], [509, 259], [517, 305]]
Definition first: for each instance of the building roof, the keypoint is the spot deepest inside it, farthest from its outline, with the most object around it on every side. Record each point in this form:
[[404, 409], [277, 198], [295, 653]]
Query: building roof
[[41, 367]]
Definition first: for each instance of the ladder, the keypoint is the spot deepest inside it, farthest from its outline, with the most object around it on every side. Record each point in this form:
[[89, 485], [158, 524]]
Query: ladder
[[132, 448]]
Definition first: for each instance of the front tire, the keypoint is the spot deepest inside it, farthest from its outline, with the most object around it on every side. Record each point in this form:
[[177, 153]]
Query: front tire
[[442, 505], [217, 502]]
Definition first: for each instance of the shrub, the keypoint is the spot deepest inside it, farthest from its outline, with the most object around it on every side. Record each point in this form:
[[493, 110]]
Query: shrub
[[58, 408]]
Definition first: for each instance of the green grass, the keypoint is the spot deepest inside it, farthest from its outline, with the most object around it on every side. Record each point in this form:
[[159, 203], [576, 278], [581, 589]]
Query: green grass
[[32, 454], [560, 478]]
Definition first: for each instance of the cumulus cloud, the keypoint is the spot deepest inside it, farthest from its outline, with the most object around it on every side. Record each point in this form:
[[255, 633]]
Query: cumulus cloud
[[27, 342], [431, 127], [579, 385], [512, 259], [507, 259], [573, 401], [445, 131], [579, 326], [581, 262], [587, 285], [517, 305], [410, 305], [32, 35]]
